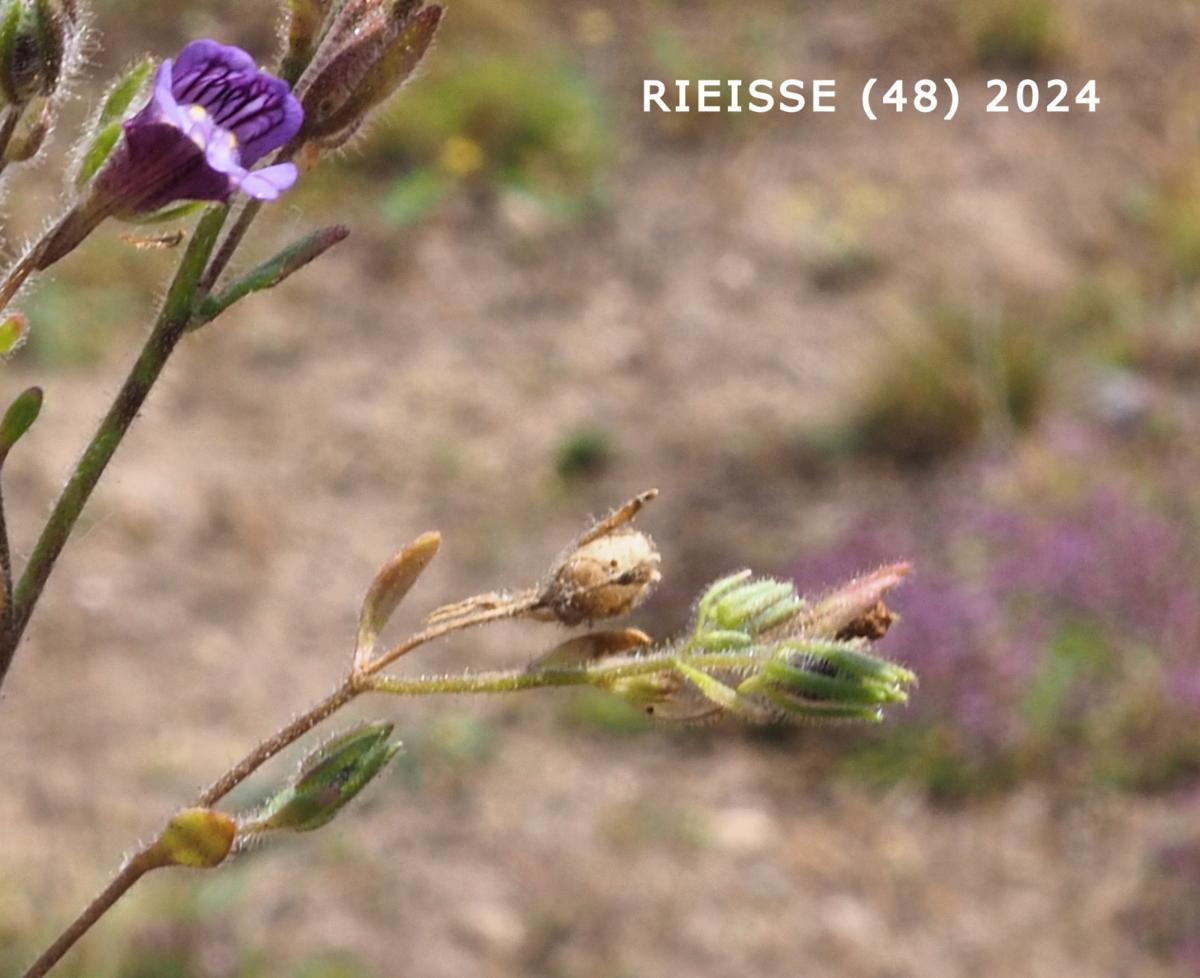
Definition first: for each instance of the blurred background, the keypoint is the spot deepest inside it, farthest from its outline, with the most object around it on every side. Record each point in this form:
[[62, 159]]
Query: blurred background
[[830, 344]]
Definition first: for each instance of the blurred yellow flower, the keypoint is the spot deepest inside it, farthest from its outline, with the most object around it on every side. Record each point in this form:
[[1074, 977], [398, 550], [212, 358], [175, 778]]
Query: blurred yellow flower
[[461, 156]]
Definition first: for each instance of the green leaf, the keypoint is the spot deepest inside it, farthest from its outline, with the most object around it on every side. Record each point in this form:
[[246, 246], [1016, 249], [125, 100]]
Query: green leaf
[[19, 418], [107, 129], [124, 91], [98, 150], [271, 272]]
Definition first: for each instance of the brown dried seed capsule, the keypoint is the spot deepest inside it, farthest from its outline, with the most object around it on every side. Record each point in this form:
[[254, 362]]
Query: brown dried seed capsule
[[604, 578], [872, 624]]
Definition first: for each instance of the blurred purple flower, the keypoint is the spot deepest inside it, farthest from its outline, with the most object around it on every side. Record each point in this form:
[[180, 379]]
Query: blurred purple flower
[[997, 583], [211, 116]]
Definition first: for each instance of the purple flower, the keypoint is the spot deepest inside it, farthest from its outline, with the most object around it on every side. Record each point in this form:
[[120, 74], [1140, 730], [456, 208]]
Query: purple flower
[[212, 116]]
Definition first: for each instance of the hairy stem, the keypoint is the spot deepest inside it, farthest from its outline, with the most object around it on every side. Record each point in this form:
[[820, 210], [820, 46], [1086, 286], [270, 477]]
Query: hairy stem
[[280, 741], [270, 273], [240, 226], [5, 586], [596, 674], [8, 125], [165, 334], [59, 240], [234, 238], [132, 871], [440, 630]]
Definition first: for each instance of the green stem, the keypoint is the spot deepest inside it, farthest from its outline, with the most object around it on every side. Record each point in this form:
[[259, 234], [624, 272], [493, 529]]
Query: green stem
[[166, 333], [66, 234], [240, 226], [230, 244], [599, 674], [270, 273], [5, 584], [273, 745]]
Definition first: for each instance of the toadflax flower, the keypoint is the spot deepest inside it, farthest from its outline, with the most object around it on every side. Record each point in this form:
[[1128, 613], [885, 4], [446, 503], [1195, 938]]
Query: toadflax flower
[[212, 115]]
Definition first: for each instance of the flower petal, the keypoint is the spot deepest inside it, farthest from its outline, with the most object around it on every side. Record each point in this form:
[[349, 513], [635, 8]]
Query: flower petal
[[207, 57], [269, 182]]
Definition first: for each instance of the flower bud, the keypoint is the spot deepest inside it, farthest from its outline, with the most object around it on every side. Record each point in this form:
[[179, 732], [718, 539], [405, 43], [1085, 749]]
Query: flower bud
[[391, 69], [36, 40], [52, 43], [14, 330], [20, 67], [606, 577], [854, 610], [375, 50], [739, 604], [328, 779], [199, 838], [332, 81]]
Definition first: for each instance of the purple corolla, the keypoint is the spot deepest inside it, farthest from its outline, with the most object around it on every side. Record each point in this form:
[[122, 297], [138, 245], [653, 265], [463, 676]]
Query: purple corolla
[[212, 115]]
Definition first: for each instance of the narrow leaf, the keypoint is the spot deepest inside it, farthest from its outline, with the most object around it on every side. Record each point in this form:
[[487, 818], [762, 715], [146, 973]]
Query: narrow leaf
[[271, 272], [391, 584], [18, 419], [124, 91]]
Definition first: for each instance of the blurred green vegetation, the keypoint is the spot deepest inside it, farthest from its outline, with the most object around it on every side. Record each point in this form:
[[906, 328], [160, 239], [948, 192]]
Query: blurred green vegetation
[[444, 751], [1013, 33], [537, 124], [1173, 214], [583, 453], [941, 390]]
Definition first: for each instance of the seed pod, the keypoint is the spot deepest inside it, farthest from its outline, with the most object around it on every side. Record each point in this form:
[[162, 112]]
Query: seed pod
[[604, 578], [199, 838]]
